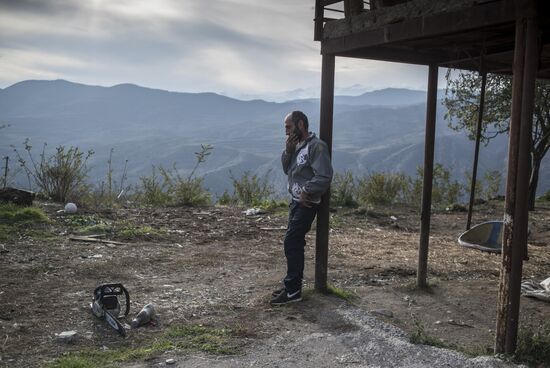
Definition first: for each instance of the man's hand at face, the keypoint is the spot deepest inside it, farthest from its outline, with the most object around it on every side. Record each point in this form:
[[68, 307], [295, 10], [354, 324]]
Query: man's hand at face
[[305, 200], [291, 143]]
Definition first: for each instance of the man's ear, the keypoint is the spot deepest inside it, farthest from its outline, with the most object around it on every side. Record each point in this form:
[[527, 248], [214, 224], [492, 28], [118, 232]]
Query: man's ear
[[300, 124]]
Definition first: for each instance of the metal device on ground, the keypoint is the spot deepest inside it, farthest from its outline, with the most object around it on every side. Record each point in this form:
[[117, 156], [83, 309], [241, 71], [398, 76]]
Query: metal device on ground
[[106, 304]]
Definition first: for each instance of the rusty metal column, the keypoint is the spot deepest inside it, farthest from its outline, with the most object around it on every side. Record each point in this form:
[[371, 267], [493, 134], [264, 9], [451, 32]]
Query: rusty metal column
[[478, 138], [325, 133], [514, 241], [429, 145]]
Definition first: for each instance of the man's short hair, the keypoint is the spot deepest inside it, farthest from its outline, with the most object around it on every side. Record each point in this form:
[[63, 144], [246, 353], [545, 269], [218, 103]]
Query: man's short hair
[[296, 116]]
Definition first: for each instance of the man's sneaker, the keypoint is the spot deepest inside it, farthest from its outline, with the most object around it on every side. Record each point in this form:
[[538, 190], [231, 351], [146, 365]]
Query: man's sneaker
[[277, 292], [286, 298]]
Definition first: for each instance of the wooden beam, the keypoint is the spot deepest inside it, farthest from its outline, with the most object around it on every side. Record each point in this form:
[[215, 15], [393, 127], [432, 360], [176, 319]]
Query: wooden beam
[[325, 133], [395, 55], [429, 145], [460, 21]]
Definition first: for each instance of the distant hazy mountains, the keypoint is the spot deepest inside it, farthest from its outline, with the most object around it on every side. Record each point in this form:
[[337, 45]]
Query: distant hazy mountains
[[377, 131]]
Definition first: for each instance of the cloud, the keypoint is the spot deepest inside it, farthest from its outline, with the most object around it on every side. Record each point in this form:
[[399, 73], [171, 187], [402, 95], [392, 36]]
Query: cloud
[[236, 46]]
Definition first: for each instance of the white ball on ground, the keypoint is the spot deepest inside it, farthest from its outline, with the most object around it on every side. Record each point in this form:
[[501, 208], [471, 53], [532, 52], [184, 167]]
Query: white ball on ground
[[70, 208]]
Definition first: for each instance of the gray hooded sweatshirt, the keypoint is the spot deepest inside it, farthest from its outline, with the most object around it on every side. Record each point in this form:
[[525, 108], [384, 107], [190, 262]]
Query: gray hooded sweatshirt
[[308, 168]]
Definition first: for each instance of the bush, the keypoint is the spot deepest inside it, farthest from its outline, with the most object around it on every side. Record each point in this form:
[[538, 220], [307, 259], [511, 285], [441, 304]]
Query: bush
[[533, 346], [172, 188], [60, 175], [250, 190], [444, 191], [492, 180], [184, 191], [13, 214], [382, 188], [227, 199], [343, 190], [152, 191]]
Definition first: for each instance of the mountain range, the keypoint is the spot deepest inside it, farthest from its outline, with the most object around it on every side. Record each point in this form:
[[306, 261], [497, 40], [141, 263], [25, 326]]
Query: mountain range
[[376, 131]]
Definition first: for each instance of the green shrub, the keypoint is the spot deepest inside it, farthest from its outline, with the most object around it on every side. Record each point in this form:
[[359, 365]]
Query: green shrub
[[152, 190], [444, 190], [186, 192], [421, 337], [533, 346], [170, 187], [227, 199], [343, 190], [59, 176], [13, 214], [492, 179], [545, 196], [250, 190], [382, 188]]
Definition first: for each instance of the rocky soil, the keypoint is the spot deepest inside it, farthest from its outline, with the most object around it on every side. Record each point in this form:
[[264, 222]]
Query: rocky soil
[[215, 267]]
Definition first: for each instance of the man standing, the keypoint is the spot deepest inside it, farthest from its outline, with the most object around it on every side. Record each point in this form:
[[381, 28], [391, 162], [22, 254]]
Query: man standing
[[306, 161]]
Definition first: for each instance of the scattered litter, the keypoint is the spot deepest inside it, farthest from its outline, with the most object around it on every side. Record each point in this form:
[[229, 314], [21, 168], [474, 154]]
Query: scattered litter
[[67, 337], [84, 256], [145, 315], [410, 301], [456, 207], [393, 218], [382, 312], [202, 213], [94, 239], [459, 324], [273, 228], [253, 211], [170, 361], [536, 290], [70, 208]]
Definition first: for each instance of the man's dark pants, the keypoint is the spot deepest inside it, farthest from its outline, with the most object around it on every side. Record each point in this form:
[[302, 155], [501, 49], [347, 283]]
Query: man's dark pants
[[300, 219]]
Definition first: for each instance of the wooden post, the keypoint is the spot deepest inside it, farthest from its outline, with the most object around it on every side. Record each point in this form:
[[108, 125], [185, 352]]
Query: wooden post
[[429, 144], [476, 151], [318, 21], [353, 7], [325, 133], [510, 200], [514, 242], [520, 226]]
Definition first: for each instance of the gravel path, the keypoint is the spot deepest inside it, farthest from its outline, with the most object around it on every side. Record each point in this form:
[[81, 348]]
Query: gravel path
[[372, 344]]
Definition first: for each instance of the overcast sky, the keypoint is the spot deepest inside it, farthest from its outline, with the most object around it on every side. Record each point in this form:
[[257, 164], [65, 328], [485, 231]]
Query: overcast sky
[[240, 48]]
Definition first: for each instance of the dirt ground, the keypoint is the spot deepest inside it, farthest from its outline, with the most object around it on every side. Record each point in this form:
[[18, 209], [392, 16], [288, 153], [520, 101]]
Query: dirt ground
[[215, 266]]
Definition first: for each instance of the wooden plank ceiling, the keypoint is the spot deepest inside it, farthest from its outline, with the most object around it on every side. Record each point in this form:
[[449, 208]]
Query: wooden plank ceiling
[[453, 39]]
